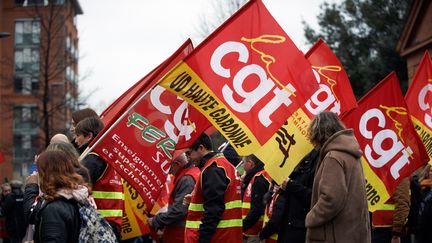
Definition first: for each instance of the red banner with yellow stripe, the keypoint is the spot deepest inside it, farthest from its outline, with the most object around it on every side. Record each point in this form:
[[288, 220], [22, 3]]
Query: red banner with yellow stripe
[[290, 144], [419, 101], [247, 78], [392, 148]]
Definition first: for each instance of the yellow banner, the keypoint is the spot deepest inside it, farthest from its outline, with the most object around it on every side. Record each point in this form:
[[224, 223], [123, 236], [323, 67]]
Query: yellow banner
[[425, 136], [134, 219], [184, 82], [376, 192], [287, 147]]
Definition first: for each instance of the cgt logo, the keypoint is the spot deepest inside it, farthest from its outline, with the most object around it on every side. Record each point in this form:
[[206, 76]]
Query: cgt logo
[[325, 96], [266, 85], [423, 103], [372, 126], [180, 112]]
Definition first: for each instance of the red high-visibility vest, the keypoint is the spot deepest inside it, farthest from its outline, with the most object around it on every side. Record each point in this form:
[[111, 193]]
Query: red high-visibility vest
[[267, 216], [173, 233], [108, 195], [246, 205], [229, 228]]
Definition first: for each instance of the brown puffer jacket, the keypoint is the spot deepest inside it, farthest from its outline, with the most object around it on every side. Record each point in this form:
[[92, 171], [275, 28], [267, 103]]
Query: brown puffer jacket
[[339, 211]]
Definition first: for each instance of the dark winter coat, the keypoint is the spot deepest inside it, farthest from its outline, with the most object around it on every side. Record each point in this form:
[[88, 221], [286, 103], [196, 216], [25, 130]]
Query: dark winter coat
[[297, 195], [57, 221], [339, 210], [14, 214]]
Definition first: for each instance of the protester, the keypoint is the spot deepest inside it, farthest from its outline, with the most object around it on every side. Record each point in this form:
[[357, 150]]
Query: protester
[[258, 183], [78, 116], [339, 210], [214, 213], [59, 137], [297, 191], [14, 212], [71, 152], [424, 233], [275, 206], [6, 189], [107, 186], [58, 219], [174, 220], [389, 221]]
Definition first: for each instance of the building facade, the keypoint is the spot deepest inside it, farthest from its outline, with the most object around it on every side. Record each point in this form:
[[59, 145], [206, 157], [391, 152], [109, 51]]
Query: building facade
[[38, 78], [416, 37]]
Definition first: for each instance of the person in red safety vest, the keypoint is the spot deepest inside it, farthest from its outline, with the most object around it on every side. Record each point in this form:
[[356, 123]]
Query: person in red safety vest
[[255, 185], [214, 213], [174, 220], [107, 189], [388, 221], [273, 215]]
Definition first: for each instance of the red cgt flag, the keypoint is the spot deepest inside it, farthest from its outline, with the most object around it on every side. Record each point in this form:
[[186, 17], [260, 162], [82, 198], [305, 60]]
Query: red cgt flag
[[392, 148], [335, 93], [139, 145], [419, 101], [247, 78]]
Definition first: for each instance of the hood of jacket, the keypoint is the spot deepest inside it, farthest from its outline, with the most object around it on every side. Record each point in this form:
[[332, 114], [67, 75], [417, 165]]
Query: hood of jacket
[[80, 194], [343, 141]]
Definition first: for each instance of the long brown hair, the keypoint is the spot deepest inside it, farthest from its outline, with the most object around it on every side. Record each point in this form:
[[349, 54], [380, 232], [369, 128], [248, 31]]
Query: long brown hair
[[323, 126], [56, 171]]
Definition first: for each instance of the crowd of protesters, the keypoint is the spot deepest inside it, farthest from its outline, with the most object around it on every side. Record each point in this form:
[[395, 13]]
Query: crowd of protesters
[[322, 200]]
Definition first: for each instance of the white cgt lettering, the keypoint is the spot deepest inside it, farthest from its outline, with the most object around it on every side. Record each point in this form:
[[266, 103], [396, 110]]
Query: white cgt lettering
[[251, 97], [184, 128], [315, 105], [424, 105], [384, 155]]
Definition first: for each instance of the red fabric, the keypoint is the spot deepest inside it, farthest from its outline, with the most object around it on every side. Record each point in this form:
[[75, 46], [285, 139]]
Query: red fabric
[[256, 228], [231, 234], [1, 157], [335, 93], [384, 130], [418, 96]]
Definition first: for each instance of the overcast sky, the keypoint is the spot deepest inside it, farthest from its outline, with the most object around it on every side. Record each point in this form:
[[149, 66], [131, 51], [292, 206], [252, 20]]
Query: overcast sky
[[120, 41]]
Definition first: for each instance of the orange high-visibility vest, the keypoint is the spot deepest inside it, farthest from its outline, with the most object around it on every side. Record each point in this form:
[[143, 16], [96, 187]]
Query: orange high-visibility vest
[[246, 205], [229, 228], [174, 233], [267, 216], [108, 195]]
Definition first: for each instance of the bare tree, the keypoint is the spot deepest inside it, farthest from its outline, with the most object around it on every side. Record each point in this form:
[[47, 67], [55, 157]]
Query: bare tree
[[214, 16], [51, 82]]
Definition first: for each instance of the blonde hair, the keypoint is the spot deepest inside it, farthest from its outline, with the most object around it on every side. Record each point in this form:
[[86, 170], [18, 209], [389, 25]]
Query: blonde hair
[[323, 126]]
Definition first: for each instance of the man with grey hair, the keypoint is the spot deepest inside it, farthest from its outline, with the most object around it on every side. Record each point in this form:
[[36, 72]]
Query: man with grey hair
[[174, 220]]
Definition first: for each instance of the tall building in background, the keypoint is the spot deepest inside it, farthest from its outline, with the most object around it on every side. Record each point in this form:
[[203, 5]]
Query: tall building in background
[[38, 77]]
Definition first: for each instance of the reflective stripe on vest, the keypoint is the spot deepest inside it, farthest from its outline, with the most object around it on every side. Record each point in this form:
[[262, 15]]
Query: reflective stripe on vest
[[107, 195], [110, 212], [222, 224], [199, 207]]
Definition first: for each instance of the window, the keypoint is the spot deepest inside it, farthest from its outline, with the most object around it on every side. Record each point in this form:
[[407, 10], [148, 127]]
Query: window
[[26, 118], [27, 60], [25, 146], [27, 32], [26, 84]]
